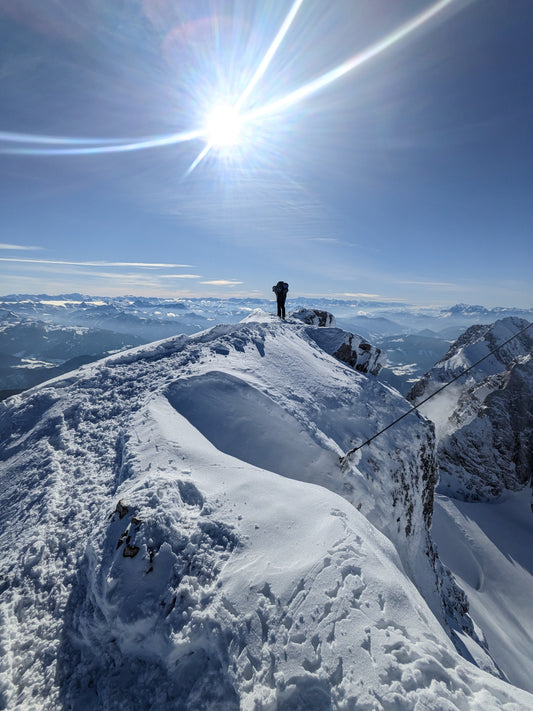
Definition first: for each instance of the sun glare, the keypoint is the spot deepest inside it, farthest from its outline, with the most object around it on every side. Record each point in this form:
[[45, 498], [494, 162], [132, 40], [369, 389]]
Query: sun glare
[[223, 127]]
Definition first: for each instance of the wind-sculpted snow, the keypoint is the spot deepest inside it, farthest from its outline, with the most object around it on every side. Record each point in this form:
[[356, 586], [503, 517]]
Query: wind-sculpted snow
[[177, 533], [254, 427]]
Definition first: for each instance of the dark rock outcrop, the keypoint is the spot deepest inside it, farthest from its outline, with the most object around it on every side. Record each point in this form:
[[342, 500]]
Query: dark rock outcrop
[[314, 317], [349, 348]]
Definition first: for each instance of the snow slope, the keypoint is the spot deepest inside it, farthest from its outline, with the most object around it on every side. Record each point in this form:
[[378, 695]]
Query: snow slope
[[489, 548], [177, 532]]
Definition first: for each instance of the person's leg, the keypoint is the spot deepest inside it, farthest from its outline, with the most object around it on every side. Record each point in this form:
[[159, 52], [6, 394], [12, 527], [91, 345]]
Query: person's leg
[[280, 306], [283, 308]]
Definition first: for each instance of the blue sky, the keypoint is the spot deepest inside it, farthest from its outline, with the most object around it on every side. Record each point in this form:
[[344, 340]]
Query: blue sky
[[385, 148]]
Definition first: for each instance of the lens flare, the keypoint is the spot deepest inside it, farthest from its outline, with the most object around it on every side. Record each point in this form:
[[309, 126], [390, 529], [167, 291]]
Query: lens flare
[[349, 65], [223, 128], [278, 39], [86, 146], [231, 119]]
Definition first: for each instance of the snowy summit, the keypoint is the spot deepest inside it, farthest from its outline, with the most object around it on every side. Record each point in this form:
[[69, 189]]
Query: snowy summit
[[177, 532]]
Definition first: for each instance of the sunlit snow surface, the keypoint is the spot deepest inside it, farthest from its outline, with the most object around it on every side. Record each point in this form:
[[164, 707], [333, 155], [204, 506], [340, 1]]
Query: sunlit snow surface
[[489, 548], [176, 533]]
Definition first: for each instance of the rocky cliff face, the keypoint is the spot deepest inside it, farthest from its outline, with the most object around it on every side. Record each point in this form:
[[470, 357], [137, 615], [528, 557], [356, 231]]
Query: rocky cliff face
[[484, 425], [491, 448], [314, 317], [349, 348]]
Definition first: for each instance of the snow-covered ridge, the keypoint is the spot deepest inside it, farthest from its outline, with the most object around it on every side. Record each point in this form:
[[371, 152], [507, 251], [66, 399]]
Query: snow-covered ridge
[[176, 531]]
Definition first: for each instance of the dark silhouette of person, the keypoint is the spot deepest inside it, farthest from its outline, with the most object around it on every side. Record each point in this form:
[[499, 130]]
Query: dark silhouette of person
[[281, 289]]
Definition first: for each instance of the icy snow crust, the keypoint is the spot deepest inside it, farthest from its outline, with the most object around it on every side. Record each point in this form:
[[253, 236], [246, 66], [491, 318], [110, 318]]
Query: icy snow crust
[[176, 532]]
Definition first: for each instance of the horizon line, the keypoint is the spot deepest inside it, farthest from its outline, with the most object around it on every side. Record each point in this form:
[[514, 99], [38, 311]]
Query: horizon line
[[382, 301]]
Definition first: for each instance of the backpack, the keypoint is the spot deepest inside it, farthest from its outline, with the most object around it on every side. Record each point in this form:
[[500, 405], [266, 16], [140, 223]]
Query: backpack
[[281, 287]]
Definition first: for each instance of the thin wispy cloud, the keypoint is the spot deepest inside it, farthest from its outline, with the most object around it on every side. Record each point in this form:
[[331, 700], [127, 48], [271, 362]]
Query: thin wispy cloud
[[179, 276], [21, 247], [140, 265], [133, 277], [332, 240], [222, 282], [265, 205], [437, 284], [361, 296]]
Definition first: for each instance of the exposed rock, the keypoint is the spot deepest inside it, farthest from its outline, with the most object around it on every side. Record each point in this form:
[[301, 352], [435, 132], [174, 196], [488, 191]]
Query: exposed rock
[[121, 509], [492, 448], [349, 348], [130, 551], [475, 343], [314, 317], [346, 347]]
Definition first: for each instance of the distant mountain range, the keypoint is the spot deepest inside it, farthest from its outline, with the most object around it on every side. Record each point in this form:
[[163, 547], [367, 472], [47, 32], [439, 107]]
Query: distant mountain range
[[42, 336]]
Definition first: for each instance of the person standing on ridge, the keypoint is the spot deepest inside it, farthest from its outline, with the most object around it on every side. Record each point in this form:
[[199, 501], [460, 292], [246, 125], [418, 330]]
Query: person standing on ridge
[[281, 289]]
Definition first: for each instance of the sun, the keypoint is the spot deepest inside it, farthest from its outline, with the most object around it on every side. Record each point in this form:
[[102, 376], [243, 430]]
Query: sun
[[223, 128]]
